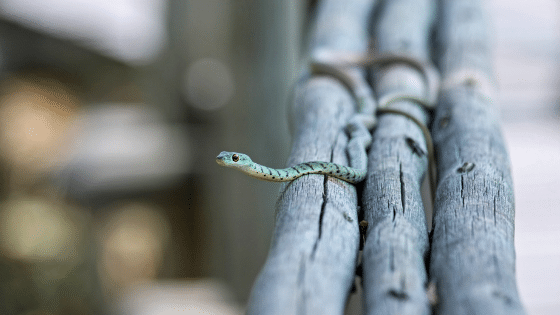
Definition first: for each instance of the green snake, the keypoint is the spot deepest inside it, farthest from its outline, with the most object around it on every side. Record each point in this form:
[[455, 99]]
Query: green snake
[[359, 125], [244, 163]]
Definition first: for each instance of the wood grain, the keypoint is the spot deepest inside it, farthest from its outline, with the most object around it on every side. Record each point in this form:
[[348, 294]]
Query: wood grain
[[311, 265], [396, 245], [472, 256]]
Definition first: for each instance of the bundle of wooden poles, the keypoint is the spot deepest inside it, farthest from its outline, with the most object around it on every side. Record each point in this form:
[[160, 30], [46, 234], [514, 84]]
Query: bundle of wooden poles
[[331, 235]]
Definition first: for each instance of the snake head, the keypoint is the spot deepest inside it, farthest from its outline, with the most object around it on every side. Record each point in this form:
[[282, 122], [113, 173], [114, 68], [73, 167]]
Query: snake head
[[234, 159]]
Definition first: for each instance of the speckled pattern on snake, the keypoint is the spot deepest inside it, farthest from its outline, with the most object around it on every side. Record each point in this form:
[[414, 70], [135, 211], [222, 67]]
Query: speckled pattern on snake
[[246, 165], [358, 126]]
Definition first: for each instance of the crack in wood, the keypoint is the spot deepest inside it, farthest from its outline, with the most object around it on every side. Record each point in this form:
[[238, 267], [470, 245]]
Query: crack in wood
[[403, 193], [323, 208], [398, 295], [415, 147], [463, 189]]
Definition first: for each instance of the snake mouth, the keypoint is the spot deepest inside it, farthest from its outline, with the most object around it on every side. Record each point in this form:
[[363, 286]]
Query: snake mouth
[[220, 161], [221, 158]]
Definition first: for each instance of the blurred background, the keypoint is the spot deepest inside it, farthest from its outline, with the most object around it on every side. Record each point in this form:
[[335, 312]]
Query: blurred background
[[111, 116]]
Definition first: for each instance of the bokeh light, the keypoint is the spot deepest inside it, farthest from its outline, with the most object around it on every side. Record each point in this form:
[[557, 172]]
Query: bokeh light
[[132, 241], [37, 229], [133, 31], [126, 146], [208, 84], [35, 117]]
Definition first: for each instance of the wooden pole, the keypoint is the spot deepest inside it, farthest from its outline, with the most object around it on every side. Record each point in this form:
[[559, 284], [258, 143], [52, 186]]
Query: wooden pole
[[396, 243], [311, 265], [473, 257]]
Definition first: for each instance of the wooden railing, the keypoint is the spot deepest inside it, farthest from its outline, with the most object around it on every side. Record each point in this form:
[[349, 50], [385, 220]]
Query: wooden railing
[[469, 262]]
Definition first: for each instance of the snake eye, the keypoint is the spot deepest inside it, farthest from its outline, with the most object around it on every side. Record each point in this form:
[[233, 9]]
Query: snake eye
[[235, 157]]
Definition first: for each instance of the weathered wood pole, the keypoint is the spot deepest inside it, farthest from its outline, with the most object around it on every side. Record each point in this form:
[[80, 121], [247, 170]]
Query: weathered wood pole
[[311, 265], [396, 246], [472, 255]]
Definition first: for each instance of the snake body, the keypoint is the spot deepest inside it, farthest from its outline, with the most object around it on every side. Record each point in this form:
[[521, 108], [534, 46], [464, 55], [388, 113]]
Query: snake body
[[244, 163], [336, 64], [359, 125]]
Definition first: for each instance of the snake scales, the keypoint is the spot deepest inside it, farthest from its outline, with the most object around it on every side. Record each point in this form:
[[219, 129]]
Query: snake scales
[[359, 125]]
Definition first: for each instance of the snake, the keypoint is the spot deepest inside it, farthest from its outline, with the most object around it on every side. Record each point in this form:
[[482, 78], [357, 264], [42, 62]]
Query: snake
[[358, 126]]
